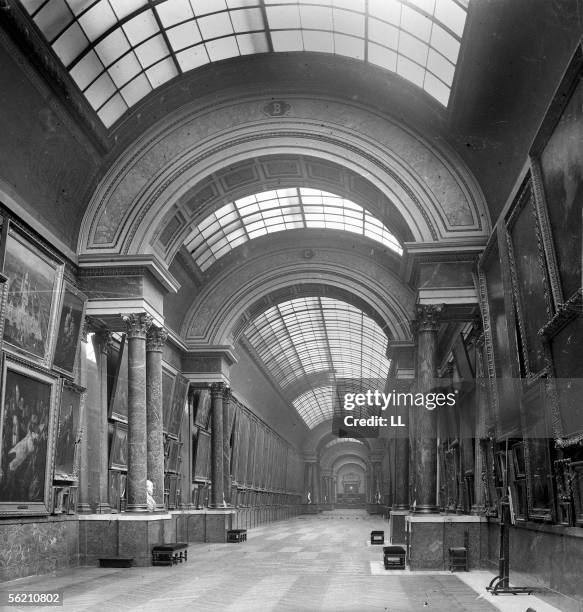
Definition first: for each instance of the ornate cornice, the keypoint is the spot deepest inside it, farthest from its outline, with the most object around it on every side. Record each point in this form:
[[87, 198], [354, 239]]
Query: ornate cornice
[[137, 324]]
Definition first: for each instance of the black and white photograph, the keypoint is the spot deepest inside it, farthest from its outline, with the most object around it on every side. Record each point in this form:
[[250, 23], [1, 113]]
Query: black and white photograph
[[291, 305]]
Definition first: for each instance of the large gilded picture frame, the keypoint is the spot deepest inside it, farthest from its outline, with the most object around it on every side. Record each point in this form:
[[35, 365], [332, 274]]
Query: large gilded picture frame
[[71, 406], [28, 427], [69, 329], [34, 278]]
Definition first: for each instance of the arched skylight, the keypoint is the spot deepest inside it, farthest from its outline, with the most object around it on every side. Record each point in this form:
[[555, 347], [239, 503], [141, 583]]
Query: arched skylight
[[277, 211], [320, 339], [117, 51], [342, 440]]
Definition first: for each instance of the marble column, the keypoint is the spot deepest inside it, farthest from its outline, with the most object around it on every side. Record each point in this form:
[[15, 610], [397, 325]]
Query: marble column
[[316, 485], [217, 467], [103, 345], [137, 326], [227, 422], [425, 327], [155, 340], [401, 473], [83, 505]]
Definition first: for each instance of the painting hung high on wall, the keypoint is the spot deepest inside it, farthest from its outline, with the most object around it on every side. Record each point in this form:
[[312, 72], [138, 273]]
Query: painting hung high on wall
[[118, 408], [33, 284], [68, 432], [28, 424], [118, 457], [69, 330]]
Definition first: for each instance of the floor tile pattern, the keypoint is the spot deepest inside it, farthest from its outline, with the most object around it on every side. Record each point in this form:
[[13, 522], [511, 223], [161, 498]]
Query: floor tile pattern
[[309, 563]]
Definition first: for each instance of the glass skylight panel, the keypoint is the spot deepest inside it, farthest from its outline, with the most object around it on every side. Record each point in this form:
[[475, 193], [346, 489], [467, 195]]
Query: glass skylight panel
[[283, 209], [320, 337], [418, 39]]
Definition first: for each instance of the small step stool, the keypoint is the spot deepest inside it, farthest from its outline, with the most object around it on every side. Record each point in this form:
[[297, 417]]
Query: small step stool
[[377, 537], [458, 559], [169, 554], [236, 536]]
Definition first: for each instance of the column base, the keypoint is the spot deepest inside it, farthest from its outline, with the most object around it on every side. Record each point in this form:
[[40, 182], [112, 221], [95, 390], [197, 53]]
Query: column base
[[425, 509], [141, 508], [103, 508], [397, 526], [84, 508]]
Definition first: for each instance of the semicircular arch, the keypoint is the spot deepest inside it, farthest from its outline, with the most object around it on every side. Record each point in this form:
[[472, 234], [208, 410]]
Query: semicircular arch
[[431, 187]]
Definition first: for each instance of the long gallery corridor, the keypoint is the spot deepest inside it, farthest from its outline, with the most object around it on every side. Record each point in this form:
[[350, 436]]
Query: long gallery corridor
[[309, 563]]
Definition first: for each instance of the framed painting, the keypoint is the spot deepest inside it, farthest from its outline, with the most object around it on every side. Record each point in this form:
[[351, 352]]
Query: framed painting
[[168, 379], [71, 403], [34, 278], [61, 499], [202, 404], [178, 405], [500, 336], [577, 486], [557, 159], [173, 455], [566, 384], [73, 500], [202, 456], [118, 408], [118, 455], [529, 278], [69, 330], [114, 487], [28, 423]]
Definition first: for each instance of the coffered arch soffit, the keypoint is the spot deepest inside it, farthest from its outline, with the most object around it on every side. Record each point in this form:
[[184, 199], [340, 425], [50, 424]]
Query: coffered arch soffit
[[250, 286], [343, 451], [320, 435], [430, 186]]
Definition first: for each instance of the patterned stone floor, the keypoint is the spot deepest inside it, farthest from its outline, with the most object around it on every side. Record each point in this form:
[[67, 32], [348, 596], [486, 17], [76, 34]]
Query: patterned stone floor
[[309, 563]]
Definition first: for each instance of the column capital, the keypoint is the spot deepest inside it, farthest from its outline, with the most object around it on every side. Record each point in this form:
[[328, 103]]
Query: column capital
[[156, 339], [218, 390], [137, 324], [427, 317], [104, 340]]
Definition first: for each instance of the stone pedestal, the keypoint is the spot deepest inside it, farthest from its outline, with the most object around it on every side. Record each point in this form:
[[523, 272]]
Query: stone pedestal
[[397, 526], [431, 536]]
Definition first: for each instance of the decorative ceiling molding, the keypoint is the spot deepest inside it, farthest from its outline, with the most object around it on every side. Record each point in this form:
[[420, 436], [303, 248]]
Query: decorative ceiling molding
[[217, 311], [430, 186]]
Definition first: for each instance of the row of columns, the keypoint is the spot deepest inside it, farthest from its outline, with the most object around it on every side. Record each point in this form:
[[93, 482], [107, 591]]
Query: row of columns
[[145, 344]]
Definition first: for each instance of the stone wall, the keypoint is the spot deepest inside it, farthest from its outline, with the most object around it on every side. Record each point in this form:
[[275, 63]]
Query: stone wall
[[38, 546]]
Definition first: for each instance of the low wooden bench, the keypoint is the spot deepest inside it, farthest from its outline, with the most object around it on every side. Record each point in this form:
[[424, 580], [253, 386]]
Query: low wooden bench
[[377, 537], [236, 535], [394, 557], [116, 562], [169, 554]]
